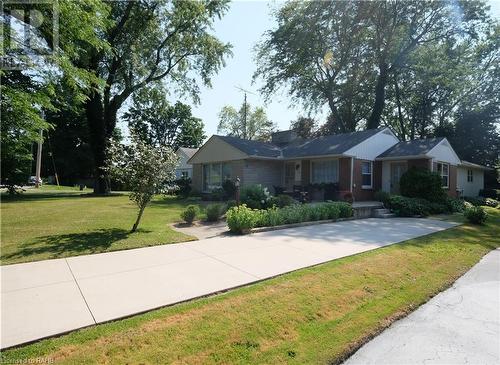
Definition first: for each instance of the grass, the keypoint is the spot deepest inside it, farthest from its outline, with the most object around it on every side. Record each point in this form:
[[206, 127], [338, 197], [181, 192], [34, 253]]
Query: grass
[[315, 315], [59, 222]]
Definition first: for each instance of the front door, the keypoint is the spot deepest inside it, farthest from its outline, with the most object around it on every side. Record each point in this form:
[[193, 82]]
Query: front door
[[397, 169], [289, 175]]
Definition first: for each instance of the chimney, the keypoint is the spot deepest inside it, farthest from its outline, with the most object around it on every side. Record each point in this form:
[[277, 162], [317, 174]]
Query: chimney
[[282, 138]]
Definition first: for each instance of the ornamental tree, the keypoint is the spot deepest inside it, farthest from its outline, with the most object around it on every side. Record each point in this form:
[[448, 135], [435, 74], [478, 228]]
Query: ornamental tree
[[146, 170]]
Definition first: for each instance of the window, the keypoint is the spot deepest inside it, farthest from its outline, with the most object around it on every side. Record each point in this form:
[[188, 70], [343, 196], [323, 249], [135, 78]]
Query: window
[[325, 171], [470, 176], [184, 175], [214, 174], [443, 170], [366, 175]]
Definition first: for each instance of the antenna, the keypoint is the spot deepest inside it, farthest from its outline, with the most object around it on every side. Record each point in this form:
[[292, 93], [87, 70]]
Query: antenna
[[245, 109]]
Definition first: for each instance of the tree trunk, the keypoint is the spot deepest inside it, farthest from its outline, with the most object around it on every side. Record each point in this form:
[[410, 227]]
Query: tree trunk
[[400, 114], [98, 140], [139, 216], [378, 106]]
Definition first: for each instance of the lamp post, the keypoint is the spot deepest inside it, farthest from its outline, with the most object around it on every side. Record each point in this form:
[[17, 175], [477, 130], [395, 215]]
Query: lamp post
[[237, 184]]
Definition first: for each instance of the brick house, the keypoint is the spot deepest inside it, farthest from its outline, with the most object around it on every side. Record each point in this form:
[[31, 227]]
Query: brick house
[[359, 162]]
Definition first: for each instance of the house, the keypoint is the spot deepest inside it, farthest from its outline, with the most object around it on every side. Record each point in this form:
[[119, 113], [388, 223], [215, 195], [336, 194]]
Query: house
[[359, 162], [470, 178], [184, 170]]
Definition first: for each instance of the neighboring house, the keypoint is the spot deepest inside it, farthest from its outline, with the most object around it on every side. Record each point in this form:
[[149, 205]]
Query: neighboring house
[[185, 169], [360, 162]]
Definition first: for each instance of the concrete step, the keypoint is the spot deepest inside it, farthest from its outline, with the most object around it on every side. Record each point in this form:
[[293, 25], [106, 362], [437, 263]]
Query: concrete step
[[387, 215], [381, 211]]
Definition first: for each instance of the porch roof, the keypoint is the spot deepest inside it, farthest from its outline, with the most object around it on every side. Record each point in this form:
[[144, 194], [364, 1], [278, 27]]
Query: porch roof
[[417, 147]]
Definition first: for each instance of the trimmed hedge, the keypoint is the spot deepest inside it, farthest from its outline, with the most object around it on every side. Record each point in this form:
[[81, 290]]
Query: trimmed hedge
[[189, 214], [215, 212], [409, 207], [423, 184], [241, 219]]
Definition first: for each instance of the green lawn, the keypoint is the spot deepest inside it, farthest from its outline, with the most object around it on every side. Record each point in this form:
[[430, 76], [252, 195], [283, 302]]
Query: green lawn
[[59, 222], [317, 315]]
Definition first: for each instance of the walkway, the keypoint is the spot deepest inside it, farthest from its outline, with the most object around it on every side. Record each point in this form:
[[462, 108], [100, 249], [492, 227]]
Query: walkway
[[46, 298], [458, 326]]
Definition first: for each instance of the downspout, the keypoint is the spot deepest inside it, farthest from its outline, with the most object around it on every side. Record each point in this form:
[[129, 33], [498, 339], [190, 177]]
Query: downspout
[[352, 174]]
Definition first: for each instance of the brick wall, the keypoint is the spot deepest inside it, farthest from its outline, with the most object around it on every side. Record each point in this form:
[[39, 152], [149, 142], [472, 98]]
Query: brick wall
[[345, 174], [359, 193]]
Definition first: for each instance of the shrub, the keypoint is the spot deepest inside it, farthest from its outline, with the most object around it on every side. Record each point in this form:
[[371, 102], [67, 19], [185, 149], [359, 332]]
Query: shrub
[[407, 207], [282, 201], [229, 188], [489, 193], [346, 210], [189, 214], [183, 187], [455, 205], [476, 215], [214, 212], [477, 202], [423, 184], [255, 196], [230, 204], [382, 196], [217, 195], [241, 219]]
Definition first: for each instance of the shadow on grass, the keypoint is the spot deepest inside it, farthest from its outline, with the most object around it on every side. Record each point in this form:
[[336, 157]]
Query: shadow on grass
[[62, 245], [25, 197]]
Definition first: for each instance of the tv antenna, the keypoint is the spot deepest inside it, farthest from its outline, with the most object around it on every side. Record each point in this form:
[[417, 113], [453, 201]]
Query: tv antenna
[[245, 92]]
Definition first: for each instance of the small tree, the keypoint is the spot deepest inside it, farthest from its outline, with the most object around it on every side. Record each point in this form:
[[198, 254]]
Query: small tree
[[146, 170]]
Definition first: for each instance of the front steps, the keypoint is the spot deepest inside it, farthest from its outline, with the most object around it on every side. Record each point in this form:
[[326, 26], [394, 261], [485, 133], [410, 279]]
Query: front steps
[[382, 213]]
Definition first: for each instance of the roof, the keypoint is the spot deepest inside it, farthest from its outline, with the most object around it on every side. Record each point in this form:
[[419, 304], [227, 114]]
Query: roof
[[253, 148], [416, 147], [474, 165], [321, 146], [189, 152], [335, 144]]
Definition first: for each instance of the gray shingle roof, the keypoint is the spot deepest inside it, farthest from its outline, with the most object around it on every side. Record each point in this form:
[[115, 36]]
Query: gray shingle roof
[[417, 147], [188, 151], [253, 148], [326, 145]]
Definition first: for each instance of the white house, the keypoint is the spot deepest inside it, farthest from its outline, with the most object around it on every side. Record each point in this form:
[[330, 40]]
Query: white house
[[184, 169]]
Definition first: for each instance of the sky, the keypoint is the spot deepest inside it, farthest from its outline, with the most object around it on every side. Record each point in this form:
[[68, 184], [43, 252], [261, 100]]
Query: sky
[[243, 27]]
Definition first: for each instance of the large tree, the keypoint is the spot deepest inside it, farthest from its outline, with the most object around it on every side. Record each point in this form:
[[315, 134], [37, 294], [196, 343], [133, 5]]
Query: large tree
[[246, 123], [157, 123], [148, 42], [346, 54]]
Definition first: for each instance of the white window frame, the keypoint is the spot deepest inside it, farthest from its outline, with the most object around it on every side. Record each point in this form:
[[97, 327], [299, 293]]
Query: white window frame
[[441, 173], [311, 177], [371, 175], [470, 175]]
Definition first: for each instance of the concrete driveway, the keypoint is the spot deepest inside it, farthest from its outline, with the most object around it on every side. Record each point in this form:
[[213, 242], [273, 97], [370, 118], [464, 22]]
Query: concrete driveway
[[50, 297], [458, 326]]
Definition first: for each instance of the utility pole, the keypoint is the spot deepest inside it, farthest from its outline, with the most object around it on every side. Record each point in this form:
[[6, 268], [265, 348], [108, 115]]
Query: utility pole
[[39, 160], [245, 111], [245, 117]]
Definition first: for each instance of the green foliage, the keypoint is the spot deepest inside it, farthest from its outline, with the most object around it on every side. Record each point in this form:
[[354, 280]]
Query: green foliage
[[282, 201], [144, 169], [476, 215], [229, 188], [455, 205], [490, 193], [215, 212], [241, 219], [491, 202], [296, 213], [255, 196], [305, 127], [480, 201], [158, 123], [408, 207], [423, 184], [189, 214], [231, 203], [382, 196], [183, 187], [246, 123]]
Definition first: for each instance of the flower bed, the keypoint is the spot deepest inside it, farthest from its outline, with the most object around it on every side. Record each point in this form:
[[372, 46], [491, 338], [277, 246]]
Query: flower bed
[[242, 219]]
